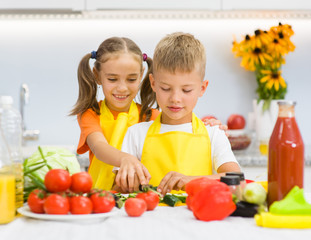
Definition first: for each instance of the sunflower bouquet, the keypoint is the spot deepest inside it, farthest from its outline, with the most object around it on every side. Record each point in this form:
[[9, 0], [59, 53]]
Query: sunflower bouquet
[[264, 53]]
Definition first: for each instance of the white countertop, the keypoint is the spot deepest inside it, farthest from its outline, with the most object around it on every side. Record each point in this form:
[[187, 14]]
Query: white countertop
[[162, 223]]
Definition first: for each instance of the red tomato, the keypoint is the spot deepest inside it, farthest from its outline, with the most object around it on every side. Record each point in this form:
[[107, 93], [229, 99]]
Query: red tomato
[[36, 200], [81, 182], [236, 121], [102, 202], [56, 204], [57, 180], [135, 207], [151, 198], [80, 205]]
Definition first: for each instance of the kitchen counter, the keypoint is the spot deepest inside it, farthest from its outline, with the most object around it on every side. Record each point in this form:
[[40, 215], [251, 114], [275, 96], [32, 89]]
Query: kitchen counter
[[162, 223], [251, 157]]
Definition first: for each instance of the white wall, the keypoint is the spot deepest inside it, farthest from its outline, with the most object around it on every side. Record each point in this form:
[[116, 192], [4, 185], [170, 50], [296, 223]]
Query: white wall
[[45, 55]]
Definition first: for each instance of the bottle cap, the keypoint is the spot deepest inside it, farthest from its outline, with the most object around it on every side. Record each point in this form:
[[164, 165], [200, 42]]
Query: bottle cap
[[230, 180], [240, 174], [6, 100]]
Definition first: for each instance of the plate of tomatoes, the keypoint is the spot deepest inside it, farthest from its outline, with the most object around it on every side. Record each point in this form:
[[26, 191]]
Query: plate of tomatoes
[[25, 210], [66, 198]]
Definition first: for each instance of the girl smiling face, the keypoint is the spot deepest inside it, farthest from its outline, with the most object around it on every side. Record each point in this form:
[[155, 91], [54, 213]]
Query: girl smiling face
[[120, 77], [177, 94]]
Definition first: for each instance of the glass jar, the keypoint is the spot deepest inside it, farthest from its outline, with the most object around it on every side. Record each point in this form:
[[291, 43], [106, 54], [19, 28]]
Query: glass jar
[[7, 183], [286, 154], [233, 183]]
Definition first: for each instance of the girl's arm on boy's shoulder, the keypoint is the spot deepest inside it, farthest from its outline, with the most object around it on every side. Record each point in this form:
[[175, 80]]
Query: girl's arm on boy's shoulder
[[215, 122]]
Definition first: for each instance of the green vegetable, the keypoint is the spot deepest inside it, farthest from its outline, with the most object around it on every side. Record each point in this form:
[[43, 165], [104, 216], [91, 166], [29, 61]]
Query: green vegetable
[[171, 200], [254, 193], [40, 162]]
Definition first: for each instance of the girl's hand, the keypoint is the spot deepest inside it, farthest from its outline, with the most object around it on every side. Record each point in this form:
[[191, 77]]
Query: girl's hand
[[214, 122], [131, 173], [173, 181]]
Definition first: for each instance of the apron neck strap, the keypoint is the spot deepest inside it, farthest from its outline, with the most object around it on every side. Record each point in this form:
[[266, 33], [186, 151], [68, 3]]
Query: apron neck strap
[[197, 125]]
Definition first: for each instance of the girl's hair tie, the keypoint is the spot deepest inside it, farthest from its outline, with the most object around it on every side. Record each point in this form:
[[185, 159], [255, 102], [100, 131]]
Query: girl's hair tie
[[145, 57], [93, 54]]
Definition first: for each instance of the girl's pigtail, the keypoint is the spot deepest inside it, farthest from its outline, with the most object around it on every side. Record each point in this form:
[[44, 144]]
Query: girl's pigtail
[[87, 89], [147, 95]]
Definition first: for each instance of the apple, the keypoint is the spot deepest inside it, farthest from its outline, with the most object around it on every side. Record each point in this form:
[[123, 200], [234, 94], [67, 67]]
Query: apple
[[208, 117], [236, 121]]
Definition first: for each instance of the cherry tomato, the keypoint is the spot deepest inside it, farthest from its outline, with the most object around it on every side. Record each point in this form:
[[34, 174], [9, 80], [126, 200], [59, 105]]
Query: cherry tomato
[[151, 198], [80, 205], [102, 202], [81, 182], [135, 207], [56, 204], [57, 180], [36, 200]]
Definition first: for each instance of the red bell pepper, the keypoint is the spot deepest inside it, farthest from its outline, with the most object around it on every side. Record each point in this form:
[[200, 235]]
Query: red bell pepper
[[209, 199], [194, 186]]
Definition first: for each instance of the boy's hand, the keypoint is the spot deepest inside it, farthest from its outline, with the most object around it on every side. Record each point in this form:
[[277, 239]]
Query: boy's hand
[[214, 122], [173, 181]]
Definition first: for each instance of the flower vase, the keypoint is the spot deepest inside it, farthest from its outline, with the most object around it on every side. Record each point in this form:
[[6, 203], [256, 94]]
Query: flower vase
[[264, 123]]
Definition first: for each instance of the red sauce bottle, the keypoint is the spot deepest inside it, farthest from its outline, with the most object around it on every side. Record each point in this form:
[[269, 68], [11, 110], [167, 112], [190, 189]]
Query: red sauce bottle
[[286, 154]]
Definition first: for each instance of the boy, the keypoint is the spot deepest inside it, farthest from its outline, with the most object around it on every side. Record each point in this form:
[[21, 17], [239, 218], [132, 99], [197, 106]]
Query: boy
[[177, 147]]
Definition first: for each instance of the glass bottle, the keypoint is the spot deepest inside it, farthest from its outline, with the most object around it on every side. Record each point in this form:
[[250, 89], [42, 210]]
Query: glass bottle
[[233, 183], [7, 183], [286, 154], [10, 120]]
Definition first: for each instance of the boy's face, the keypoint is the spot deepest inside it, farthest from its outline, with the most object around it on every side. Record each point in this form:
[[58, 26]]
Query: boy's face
[[177, 94]]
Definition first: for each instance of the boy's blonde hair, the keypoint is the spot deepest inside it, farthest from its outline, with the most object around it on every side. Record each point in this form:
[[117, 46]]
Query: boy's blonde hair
[[179, 52]]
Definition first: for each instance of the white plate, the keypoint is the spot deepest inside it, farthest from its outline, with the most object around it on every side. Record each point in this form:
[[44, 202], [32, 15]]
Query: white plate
[[69, 217]]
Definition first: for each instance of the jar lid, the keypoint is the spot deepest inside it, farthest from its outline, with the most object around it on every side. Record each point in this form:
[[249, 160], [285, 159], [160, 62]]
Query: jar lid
[[240, 174], [286, 102], [230, 180]]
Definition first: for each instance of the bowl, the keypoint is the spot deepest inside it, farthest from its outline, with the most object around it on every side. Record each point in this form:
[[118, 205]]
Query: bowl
[[239, 139]]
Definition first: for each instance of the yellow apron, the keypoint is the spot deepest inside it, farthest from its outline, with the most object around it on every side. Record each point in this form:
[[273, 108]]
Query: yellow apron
[[186, 153], [114, 131]]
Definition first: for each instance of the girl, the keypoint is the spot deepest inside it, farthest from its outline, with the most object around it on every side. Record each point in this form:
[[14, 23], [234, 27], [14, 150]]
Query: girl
[[118, 69], [177, 147]]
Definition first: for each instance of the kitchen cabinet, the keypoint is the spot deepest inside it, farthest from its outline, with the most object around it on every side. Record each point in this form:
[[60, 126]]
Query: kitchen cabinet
[[266, 5], [212, 5], [74, 5], [153, 5]]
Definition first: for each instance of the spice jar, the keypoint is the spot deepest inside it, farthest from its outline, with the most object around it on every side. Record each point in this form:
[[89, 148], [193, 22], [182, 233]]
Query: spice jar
[[233, 183], [242, 178]]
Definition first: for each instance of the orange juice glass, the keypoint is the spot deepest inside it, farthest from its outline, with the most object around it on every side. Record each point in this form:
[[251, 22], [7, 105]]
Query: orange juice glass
[[7, 197]]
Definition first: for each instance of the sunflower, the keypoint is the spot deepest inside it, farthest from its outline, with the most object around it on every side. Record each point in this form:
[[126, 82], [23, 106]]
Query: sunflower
[[273, 78], [277, 48], [264, 53], [255, 58], [242, 47], [260, 38], [285, 29]]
